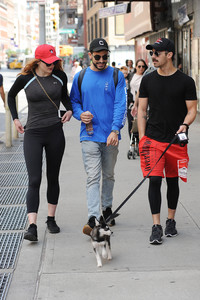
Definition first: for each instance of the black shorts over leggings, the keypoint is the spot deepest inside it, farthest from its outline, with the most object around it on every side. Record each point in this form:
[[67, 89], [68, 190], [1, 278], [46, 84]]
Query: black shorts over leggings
[[52, 140]]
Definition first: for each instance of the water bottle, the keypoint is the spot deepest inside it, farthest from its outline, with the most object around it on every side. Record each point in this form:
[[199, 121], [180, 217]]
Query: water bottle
[[89, 127]]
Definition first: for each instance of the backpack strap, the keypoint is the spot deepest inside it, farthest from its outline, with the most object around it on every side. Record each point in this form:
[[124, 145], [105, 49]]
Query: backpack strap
[[82, 73], [80, 79], [115, 76]]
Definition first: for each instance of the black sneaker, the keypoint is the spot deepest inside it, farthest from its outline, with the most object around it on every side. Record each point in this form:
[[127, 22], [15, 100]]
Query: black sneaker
[[170, 229], [106, 214], [52, 226], [31, 233], [156, 235], [89, 226]]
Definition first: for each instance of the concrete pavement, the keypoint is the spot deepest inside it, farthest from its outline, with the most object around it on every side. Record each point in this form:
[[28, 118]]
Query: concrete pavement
[[63, 266]]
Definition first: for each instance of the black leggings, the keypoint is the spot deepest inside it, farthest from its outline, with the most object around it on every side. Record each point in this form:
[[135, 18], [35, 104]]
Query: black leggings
[[155, 193], [53, 141]]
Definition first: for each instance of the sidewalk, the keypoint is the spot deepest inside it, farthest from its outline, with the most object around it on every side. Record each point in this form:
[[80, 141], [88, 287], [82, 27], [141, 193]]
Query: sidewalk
[[63, 266]]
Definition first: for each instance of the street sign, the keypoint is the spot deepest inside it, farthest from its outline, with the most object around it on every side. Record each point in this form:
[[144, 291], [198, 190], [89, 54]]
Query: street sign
[[114, 10], [41, 2], [65, 31]]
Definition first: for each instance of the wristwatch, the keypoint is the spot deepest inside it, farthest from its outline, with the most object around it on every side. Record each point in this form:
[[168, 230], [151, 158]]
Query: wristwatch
[[115, 131]]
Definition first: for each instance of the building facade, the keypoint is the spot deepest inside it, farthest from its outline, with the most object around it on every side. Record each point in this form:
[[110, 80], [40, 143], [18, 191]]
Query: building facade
[[178, 20], [32, 25], [6, 28], [20, 21], [111, 28]]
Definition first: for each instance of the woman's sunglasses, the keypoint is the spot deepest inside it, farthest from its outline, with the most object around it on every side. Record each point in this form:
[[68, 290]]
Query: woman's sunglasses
[[98, 57], [141, 67], [49, 65]]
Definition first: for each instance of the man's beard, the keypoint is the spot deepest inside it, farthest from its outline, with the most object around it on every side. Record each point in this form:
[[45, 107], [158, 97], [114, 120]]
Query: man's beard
[[96, 66]]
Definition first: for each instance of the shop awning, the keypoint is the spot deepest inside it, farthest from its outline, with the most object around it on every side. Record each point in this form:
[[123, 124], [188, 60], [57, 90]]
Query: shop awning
[[138, 21]]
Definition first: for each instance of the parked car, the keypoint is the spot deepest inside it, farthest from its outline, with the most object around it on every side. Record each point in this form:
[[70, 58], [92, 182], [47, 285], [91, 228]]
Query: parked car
[[16, 64], [10, 59]]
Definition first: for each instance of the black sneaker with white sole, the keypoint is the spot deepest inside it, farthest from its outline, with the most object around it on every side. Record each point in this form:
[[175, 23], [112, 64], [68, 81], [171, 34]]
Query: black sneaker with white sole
[[156, 235], [170, 229], [31, 233]]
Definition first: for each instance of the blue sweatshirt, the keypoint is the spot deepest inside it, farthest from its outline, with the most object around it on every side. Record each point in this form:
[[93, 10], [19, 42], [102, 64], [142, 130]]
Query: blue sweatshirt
[[100, 97]]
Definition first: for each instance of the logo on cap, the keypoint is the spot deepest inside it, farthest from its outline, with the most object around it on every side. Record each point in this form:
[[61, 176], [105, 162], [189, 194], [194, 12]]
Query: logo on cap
[[51, 51], [159, 41], [101, 43]]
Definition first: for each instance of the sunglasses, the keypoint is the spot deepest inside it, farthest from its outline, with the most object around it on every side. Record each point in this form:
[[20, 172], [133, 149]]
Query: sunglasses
[[48, 65], [98, 57], [156, 53], [141, 67]]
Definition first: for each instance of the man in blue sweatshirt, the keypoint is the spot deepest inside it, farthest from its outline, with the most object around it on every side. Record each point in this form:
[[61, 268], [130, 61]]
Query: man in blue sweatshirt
[[101, 108]]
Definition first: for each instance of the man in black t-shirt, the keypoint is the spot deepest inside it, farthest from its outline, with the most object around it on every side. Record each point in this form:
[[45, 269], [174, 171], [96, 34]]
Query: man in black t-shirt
[[171, 98]]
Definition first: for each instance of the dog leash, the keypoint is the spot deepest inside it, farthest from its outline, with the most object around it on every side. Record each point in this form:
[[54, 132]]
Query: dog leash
[[115, 214]]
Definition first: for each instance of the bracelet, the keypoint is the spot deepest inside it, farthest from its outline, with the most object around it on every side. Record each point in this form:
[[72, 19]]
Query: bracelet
[[186, 125]]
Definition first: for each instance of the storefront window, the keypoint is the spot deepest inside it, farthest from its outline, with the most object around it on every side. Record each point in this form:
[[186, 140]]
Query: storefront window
[[119, 25]]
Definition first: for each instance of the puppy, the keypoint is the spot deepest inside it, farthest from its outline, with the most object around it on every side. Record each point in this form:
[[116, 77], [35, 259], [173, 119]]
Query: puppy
[[100, 236]]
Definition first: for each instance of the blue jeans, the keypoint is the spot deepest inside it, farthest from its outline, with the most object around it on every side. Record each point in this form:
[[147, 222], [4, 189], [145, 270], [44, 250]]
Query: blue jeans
[[97, 158]]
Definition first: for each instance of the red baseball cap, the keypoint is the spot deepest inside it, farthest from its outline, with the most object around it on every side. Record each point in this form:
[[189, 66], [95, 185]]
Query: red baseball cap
[[47, 53]]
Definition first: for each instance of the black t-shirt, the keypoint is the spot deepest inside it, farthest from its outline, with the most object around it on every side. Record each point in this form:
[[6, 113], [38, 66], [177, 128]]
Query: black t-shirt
[[167, 97], [41, 111]]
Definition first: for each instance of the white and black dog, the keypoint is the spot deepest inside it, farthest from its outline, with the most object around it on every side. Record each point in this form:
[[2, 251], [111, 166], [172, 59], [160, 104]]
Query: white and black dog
[[100, 236]]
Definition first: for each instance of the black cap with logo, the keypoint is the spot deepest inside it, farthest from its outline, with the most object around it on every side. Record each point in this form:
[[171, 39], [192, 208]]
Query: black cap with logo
[[162, 44], [98, 45]]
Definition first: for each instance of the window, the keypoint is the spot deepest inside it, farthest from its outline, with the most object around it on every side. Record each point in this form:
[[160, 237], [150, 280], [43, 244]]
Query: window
[[105, 27], [88, 31], [96, 28], [92, 28], [119, 25], [100, 28]]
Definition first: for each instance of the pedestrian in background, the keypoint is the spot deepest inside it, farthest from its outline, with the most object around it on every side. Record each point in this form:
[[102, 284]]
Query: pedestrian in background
[[124, 70], [2, 89], [113, 64], [101, 107], [172, 100], [131, 69], [75, 69], [45, 85], [134, 83]]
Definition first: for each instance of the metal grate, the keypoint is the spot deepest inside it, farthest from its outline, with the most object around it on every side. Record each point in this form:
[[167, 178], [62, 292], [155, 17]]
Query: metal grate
[[7, 167], [13, 213], [13, 195], [18, 146], [9, 247], [5, 157], [17, 157], [13, 218], [5, 280], [18, 179]]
